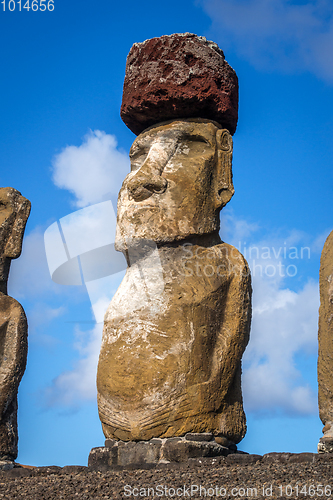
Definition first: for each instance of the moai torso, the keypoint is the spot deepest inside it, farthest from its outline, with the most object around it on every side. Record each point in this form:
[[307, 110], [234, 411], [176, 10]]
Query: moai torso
[[14, 211], [176, 329], [168, 361]]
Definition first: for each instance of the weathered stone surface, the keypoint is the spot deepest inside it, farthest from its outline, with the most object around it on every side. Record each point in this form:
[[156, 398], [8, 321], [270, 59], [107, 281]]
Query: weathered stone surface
[[290, 457], [324, 457], [325, 444], [73, 469], [181, 177], [101, 458], [156, 451], [276, 456], [182, 451], [175, 331], [298, 458], [195, 436], [109, 443], [325, 348], [7, 464], [240, 458], [14, 212], [223, 441], [178, 76], [19, 472], [138, 453]]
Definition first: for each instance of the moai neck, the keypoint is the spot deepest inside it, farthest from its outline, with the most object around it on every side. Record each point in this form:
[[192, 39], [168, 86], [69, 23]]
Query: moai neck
[[202, 240], [4, 272], [174, 250]]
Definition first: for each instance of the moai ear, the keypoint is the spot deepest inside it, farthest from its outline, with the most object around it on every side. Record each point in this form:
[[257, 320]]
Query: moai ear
[[14, 244], [224, 185]]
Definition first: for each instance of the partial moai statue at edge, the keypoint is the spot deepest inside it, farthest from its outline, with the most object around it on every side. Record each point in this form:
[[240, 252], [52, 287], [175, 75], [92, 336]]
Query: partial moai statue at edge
[[176, 329], [325, 354], [14, 212]]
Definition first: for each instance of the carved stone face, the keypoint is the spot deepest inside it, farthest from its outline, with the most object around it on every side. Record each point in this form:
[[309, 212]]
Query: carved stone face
[[180, 179], [14, 212]]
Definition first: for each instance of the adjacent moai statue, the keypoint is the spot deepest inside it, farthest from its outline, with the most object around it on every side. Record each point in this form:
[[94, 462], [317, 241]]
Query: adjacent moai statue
[[176, 329], [14, 212], [325, 354]]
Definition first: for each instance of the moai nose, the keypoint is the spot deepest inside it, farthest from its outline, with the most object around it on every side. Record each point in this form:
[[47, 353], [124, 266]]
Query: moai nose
[[146, 182]]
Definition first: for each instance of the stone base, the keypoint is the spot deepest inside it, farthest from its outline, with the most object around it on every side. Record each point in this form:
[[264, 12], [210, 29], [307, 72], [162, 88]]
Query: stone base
[[7, 464], [157, 451], [325, 445]]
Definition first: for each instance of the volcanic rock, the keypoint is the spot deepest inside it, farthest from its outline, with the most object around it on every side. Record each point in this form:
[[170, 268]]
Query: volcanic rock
[[178, 76]]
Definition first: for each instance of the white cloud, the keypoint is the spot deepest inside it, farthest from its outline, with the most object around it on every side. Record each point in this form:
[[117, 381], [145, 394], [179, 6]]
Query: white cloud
[[78, 384], [29, 275], [284, 324], [319, 242], [276, 34], [42, 314], [73, 386], [285, 321], [93, 171], [237, 229]]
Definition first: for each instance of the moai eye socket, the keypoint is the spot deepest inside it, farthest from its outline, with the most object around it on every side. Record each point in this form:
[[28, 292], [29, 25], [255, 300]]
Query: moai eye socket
[[138, 158]]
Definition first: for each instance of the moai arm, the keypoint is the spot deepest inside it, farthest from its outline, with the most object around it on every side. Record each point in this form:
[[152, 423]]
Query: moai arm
[[220, 317], [236, 322], [13, 349], [231, 343]]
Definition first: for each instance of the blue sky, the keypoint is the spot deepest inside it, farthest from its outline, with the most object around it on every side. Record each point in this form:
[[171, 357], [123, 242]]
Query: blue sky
[[60, 95]]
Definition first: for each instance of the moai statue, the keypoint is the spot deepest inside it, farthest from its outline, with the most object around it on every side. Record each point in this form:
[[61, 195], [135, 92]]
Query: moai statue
[[14, 212], [176, 329], [325, 354]]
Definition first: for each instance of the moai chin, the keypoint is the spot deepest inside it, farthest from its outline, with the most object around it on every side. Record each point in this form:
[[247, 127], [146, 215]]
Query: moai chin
[[14, 212], [325, 338], [176, 329]]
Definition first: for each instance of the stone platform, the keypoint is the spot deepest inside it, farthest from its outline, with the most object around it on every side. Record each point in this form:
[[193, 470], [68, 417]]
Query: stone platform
[[158, 451], [7, 464], [325, 444]]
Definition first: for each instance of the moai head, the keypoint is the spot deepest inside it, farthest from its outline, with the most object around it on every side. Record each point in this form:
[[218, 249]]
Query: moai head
[[180, 179], [181, 97], [14, 212]]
